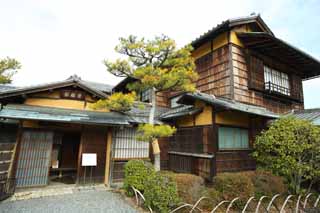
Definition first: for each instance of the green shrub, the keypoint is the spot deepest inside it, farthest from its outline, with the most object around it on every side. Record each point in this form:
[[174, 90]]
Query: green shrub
[[161, 193], [190, 187], [266, 183], [136, 173], [232, 185]]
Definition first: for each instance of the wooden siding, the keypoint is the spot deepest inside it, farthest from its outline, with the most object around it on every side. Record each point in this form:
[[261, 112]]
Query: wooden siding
[[249, 83], [234, 161], [193, 140], [164, 144], [162, 99], [194, 165], [214, 73], [117, 173], [93, 140]]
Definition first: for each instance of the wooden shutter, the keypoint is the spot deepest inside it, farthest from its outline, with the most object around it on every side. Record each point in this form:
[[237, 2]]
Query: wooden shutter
[[296, 87], [256, 73]]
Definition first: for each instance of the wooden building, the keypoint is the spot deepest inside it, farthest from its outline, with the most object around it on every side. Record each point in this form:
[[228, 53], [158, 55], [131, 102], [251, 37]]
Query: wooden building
[[47, 129], [247, 77]]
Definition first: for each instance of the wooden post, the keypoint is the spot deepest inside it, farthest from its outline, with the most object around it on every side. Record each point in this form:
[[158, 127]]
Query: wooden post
[[108, 157], [15, 154]]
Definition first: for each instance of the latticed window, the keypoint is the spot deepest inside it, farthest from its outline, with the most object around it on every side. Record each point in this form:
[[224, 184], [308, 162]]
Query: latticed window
[[233, 138], [276, 81], [72, 94], [126, 145]]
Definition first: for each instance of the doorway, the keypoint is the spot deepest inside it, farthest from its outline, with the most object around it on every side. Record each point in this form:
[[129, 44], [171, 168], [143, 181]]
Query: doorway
[[64, 158]]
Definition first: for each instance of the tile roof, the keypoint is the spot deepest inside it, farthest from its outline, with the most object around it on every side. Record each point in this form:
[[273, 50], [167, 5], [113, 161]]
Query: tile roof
[[99, 89], [227, 24], [180, 111], [312, 115], [28, 112], [226, 104], [4, 88]]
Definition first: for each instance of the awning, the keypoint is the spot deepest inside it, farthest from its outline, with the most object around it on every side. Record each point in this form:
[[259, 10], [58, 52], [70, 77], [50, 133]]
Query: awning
[[308, 66], [222, 103]]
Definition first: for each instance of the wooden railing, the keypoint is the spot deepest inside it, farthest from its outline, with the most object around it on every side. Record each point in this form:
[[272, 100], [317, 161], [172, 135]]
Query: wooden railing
[[271, 87]]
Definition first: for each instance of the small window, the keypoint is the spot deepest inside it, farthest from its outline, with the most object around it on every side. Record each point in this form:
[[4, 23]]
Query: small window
[[70, 94], [233, 138], [276, 81], [146, 96]]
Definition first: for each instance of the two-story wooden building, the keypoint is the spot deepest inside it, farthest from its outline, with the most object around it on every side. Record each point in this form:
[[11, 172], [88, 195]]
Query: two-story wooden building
[[247, 78]]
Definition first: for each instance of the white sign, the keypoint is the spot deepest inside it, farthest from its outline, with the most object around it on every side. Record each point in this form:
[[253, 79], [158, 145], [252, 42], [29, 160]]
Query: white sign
[[89, 159]]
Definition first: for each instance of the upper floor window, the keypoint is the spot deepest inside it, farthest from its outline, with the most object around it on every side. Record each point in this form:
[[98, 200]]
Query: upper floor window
[[145, 95], [72, 94], [276, 81]]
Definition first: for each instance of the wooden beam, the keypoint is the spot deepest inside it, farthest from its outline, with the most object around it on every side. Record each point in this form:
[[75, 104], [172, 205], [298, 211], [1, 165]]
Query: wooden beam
[[108, 157]]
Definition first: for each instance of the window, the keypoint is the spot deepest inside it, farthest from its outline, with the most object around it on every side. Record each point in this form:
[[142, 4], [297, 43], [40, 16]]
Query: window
[[233, 138], [173, 101], [276, 81], [126, 145], [72, 94], [146, 95]]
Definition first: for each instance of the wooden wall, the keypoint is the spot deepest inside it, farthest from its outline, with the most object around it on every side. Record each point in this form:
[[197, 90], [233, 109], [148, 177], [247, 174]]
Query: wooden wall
[[198, 139], [214, 73], [234, 161], [8, 138], [194, 165], [93, 140]]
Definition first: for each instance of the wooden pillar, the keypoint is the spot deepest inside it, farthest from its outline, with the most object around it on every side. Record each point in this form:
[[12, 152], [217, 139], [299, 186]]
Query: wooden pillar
[[78, 181], [15, 154], [108, 157]]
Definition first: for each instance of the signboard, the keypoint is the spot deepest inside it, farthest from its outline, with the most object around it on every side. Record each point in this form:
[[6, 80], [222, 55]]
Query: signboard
[[89, 159]]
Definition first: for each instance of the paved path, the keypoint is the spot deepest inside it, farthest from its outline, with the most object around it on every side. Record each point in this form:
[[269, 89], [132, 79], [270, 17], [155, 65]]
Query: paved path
[[88, 201]]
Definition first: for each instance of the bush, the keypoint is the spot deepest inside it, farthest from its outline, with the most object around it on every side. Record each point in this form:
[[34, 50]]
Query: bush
[[161, 193], [136, 173], [190, 187], [266, 183], [232, 185]]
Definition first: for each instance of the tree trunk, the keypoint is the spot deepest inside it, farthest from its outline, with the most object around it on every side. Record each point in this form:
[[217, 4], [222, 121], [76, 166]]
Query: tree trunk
[[155, 144]]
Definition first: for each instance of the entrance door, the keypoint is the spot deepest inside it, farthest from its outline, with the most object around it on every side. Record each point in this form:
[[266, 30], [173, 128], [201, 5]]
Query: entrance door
[[34, 158]]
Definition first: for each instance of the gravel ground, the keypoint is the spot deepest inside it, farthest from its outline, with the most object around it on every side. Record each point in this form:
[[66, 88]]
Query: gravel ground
[[90, 201]]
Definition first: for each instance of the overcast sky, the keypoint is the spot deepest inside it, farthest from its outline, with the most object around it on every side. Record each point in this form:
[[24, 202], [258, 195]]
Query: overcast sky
[[54, 39]]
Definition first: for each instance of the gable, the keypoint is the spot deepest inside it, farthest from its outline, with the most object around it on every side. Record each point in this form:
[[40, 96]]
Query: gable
[[72, 93], [66, 97], [225, 32]]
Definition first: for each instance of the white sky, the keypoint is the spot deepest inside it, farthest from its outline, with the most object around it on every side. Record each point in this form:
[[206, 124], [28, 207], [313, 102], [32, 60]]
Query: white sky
[[58, 38]]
